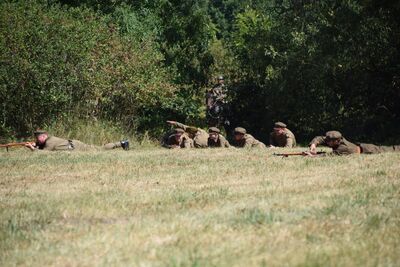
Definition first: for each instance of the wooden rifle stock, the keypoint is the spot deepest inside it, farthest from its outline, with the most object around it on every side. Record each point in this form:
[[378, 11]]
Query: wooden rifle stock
[[296, 154], [15, 144]]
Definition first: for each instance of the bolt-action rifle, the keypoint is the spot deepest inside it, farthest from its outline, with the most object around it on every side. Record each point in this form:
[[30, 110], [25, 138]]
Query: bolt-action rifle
[[15, 144], [297, 154]]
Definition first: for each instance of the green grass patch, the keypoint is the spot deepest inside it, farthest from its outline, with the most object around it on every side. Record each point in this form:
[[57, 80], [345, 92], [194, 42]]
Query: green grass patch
[[160, 207]]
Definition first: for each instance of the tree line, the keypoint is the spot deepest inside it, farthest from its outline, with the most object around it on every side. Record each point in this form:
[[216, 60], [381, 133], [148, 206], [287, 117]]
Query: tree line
[[316, 65]]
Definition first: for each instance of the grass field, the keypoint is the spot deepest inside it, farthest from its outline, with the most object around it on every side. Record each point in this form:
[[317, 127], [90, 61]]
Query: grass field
[[156, 207]]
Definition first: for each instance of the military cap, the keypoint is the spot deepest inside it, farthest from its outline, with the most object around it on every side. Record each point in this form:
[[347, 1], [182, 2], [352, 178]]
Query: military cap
[[179, 130], [240, 130], [214, 130], [279, 125], [191, 130], [332, 135], [39, 132]]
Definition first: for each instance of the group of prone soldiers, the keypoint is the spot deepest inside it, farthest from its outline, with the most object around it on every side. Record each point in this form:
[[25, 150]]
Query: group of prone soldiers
[[185, 136]]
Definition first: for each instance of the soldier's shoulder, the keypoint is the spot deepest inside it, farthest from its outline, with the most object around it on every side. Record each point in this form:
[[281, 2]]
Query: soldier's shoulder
[[222, 137], [55, 139], [248, 137], [289, 132]]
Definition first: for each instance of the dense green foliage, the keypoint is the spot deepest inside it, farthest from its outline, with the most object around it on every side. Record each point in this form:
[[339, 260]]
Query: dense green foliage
[[321, 65], [316, 65], [60, 62]]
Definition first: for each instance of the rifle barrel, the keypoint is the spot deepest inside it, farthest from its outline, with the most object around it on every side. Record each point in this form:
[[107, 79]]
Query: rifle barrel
[[296, 154], [289, 154]]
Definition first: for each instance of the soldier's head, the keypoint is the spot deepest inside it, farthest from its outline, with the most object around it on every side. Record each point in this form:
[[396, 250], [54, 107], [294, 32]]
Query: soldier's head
[[333, 138], [178, 133], [279, 128], [220, 79], [213, 133], [191, 131], [41, 136], [239, 133]]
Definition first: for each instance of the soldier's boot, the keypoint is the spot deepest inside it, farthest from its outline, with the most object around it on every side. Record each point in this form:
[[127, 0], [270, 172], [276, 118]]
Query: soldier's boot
[[125, 144]]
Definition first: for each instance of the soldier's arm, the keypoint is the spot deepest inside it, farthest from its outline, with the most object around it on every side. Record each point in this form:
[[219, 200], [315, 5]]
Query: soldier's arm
[[181, 125], [187, 143], [177, 124], [31, 146], [289, 142], [224, 142], [318, 140], [248, 143], [271, 140], [187, 128]]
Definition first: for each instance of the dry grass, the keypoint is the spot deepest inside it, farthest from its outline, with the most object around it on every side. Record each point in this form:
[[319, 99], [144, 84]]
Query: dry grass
[[159, 207]]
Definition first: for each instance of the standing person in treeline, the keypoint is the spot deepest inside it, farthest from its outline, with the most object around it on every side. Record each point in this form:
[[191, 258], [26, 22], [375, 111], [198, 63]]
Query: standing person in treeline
[[216, 103], [216, 94]]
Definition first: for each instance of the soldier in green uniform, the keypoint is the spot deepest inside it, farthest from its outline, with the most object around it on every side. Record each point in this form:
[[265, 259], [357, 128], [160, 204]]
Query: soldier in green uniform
[[340, 146], [215, 138], [199, 136], [245, 140], [217, 94], [44, 141], [179, 140], [217, 104], [282, 136]]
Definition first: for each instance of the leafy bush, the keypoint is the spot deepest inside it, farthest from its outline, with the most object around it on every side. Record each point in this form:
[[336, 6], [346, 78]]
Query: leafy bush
[[60, 63]]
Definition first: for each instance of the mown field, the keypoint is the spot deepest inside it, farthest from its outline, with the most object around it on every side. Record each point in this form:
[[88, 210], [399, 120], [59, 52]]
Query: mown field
[[157, 207]]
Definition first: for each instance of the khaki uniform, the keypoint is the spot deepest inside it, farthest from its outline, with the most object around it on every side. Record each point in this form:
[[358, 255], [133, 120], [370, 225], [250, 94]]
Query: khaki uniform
[[200, 137], [285, 140], [184, 142], [217, 94], [58, 144], [346, 148], [374, 149], [248, 142], [221, 142]]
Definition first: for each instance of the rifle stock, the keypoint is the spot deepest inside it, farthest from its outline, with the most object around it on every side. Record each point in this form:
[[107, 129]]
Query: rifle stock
[[15, 144]]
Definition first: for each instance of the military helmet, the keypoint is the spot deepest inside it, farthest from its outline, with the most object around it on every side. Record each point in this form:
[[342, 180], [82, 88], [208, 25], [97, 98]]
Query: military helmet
[[214, 130], [333, 135], [240, 130], [279, 124]]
